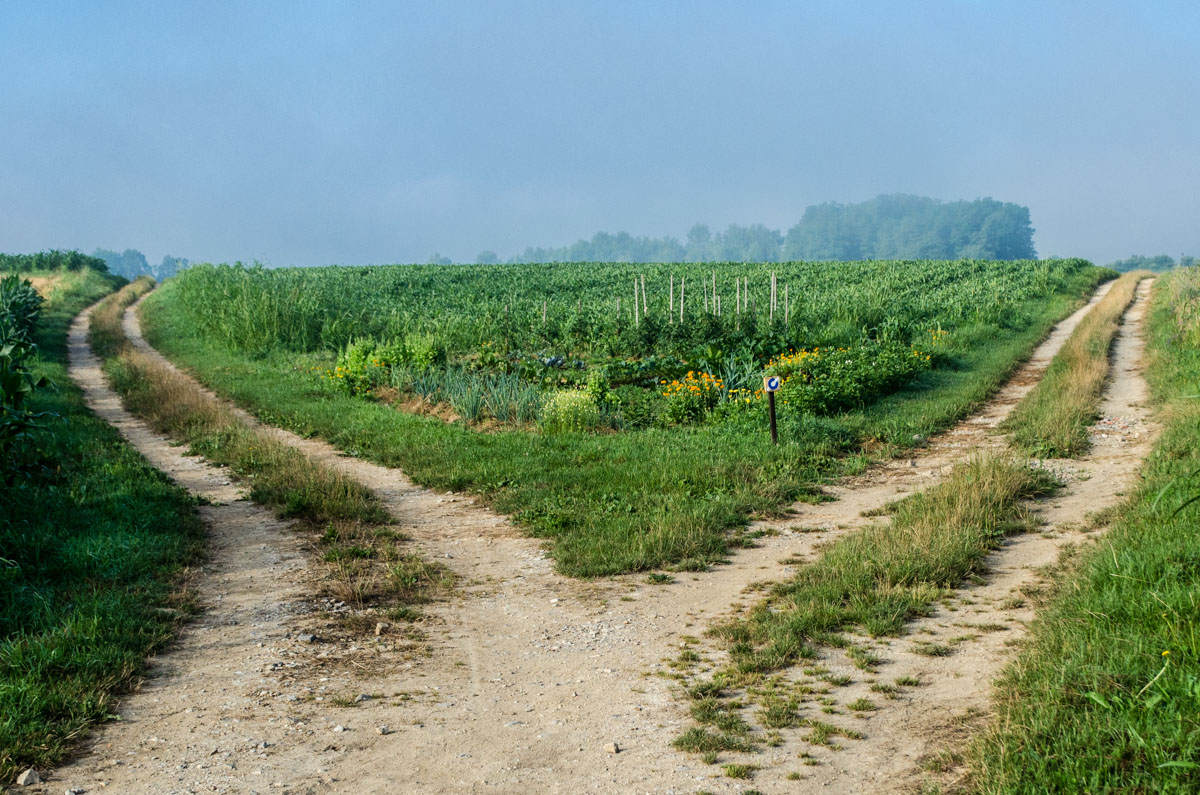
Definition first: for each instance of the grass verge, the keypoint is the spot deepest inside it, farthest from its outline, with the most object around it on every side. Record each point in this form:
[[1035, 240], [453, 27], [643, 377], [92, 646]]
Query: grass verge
[[367, 562], [874, 580], [1106, 695], [1052, 420], [624, 502], [94, 550]]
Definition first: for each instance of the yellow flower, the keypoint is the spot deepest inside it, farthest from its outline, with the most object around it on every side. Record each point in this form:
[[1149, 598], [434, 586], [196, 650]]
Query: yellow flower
[[1167, 653]]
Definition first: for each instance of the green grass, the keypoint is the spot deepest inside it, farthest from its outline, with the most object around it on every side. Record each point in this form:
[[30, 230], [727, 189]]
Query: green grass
[[877, 579], [611, 503], [1093, 704], [94, 550], [1052, 421]]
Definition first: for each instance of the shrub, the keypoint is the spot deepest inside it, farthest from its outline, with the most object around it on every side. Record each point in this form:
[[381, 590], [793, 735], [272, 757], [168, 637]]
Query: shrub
[[692, 398], [366, 363], [825, 381], [569, 410], [20, 306], [359, 366]]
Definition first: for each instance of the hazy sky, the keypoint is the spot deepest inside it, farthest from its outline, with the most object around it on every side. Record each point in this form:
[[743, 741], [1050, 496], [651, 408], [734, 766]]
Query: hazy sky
[[356, 132]]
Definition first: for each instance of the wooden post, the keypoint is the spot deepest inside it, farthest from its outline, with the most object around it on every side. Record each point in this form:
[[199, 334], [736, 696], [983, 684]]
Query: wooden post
[[714, 294], [771, 413], [787, 305], [635, 303], [772, 297], [671, 300], [681, 278], [770, 384], [543, 311], [645, 305]]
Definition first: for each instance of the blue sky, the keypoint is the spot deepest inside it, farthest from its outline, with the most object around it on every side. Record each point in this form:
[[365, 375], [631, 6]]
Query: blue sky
[[358, 132]]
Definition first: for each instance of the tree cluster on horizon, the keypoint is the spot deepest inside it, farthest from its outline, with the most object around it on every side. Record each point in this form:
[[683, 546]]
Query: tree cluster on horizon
[[893, 226]]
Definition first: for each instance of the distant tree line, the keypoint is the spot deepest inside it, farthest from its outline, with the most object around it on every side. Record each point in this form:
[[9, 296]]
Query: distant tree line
[[886, 227], [132, 263], [912, 227], [50, 260], [1163, 262]]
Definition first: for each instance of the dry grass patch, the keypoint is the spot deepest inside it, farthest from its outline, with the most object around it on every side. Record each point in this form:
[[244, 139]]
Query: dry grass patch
[[1052, 420]]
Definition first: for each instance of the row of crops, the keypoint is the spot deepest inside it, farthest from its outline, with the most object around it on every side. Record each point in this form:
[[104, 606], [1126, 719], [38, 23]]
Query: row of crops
[[634, 344]]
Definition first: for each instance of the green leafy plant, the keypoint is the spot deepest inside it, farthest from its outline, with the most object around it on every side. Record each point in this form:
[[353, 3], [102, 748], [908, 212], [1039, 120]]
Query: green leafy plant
[[20, 306], [569, 410]]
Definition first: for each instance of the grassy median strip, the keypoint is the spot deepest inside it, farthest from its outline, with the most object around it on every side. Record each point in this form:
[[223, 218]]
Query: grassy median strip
[[1052, 420], [368, 562], [94, 549], [1106, 696], [874, 581]]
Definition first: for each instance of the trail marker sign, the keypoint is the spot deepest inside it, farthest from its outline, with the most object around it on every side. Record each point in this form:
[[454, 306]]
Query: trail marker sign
[[771, 384]]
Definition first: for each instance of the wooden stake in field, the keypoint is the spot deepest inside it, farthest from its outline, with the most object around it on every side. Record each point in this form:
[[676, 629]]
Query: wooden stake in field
[[787, 305], [645, 305], [671, 299], [543, 311], [681, 279], [714, 293], [772, 296], [635, 304]]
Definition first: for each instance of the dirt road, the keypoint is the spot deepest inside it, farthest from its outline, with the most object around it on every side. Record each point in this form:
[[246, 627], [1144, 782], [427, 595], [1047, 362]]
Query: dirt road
[[529, 677]]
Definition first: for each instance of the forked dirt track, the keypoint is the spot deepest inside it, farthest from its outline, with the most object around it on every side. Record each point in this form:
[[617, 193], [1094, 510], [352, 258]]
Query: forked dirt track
[[529, 676]]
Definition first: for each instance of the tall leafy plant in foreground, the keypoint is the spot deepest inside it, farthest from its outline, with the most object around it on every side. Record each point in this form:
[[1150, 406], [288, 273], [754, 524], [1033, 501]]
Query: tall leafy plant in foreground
[[20, 306]]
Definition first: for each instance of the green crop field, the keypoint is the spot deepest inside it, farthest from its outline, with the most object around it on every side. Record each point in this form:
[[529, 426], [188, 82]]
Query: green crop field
[[633, 435]]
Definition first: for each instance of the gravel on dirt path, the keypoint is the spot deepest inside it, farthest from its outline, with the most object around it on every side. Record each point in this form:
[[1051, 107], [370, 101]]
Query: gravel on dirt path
[[529, 680]]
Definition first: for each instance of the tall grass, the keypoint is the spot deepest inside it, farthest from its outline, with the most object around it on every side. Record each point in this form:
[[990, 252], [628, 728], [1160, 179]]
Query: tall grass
[[1106, 695], [1052, 420], [106, 336]]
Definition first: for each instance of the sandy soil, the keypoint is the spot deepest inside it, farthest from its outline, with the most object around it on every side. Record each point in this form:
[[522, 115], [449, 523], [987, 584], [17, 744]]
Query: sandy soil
[[530, 676]]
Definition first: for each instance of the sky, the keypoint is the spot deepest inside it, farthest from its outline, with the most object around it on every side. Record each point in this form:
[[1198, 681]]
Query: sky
[[305, 133]]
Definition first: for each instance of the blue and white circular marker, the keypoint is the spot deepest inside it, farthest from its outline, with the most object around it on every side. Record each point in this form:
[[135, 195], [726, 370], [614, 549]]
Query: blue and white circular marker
[[772, 383]]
